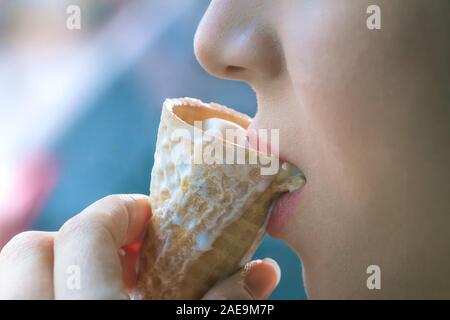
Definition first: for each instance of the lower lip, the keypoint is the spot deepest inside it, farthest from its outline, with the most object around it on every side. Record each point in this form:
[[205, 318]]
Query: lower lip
[[282, 211]]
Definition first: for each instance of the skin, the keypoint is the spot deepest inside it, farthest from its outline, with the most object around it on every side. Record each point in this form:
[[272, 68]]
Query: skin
[[99, 240], [365, 115]]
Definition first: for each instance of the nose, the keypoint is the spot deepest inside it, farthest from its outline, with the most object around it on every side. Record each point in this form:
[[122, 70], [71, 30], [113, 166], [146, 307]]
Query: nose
[[236, 41]]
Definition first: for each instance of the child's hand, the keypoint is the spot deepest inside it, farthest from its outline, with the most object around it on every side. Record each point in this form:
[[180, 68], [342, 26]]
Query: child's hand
[[88, 258]]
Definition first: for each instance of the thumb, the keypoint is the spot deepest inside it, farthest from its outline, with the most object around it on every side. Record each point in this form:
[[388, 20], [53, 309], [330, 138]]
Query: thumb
[[255, 281]]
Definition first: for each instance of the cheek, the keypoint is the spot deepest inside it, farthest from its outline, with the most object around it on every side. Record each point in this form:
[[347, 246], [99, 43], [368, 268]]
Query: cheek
[[346, 138], [336, 67], [316, 40]]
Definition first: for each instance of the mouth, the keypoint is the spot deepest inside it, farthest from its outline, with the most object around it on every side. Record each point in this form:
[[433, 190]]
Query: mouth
[[284, 208]]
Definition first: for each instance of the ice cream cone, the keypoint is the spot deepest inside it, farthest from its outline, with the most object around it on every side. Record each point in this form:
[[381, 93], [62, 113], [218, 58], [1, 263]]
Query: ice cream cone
[[208, 218]]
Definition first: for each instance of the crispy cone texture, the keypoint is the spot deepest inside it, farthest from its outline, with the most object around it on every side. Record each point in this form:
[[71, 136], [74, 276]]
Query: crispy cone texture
[[207, 218]]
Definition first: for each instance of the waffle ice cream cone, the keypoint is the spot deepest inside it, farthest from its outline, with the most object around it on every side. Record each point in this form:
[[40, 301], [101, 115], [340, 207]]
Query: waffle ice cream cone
[[208, 218]]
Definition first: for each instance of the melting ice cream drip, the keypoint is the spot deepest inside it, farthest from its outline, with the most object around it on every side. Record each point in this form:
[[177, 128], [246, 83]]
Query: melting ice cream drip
[[205, 239]]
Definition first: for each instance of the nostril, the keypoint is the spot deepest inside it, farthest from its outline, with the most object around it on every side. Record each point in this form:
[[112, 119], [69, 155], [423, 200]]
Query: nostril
[[237, 45], [235, 72], [234, 69]]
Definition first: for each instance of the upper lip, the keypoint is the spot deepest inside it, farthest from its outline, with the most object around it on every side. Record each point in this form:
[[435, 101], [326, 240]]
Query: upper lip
[[283, 158], [281, 155]]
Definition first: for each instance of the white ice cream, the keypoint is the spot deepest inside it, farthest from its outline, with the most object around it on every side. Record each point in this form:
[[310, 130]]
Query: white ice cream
[[224, 126]]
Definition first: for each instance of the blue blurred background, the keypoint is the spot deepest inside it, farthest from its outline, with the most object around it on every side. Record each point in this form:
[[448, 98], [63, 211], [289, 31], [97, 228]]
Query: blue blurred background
[[79, 109]]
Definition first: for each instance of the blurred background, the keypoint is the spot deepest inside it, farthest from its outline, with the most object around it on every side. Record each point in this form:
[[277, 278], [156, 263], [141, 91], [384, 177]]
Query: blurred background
[[79, 109]]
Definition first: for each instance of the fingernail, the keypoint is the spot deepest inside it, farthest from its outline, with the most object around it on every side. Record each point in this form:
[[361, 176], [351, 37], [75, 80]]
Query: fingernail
[[248, 266], [258, 279], [277, 267]]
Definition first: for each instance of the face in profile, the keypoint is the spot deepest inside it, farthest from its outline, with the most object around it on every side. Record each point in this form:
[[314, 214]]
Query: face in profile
[[364, 114]]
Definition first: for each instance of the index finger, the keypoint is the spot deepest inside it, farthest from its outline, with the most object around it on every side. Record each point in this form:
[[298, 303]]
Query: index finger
[[86, 251]]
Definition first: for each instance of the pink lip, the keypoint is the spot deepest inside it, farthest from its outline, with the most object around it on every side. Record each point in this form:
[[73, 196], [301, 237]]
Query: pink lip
[[284, 207], [282, 211]]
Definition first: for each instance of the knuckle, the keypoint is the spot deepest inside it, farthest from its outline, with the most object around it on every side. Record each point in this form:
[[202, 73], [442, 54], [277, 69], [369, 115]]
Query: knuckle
[[23, 243], [115, 199], [103, 215], [112, 198], [72, 226], [111, 208]]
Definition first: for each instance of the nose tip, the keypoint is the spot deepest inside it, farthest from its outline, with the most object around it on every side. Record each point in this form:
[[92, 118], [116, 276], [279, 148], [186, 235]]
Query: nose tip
[[237, 46]]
